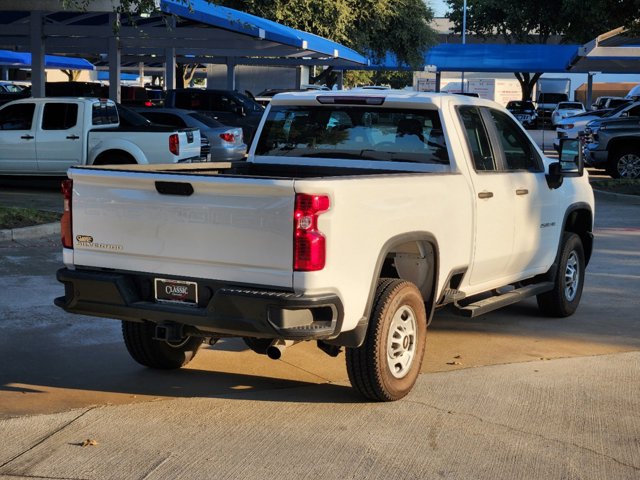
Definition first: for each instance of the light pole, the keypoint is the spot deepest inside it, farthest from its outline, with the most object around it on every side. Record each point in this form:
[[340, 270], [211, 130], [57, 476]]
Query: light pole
[[464, 37]]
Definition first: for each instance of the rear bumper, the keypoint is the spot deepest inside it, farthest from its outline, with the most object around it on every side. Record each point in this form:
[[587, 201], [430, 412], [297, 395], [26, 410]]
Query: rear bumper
[[223, 310]]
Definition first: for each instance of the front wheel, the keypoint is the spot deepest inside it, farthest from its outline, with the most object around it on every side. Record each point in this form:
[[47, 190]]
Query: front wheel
[[159, 354], [563, 300], [386, 366], [624, 164]]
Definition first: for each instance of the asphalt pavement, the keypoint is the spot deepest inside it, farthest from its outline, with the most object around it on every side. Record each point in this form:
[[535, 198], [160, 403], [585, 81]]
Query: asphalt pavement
[[510, 395]]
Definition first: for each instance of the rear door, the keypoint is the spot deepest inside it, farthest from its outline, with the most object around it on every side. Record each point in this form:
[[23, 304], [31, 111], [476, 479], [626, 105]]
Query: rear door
[[18, 138], [236, 230], [61, 140]]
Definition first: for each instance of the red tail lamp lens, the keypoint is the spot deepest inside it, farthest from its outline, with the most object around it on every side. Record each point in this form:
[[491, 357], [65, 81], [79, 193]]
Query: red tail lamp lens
[[66, 232], [174, 144], [309, 243]]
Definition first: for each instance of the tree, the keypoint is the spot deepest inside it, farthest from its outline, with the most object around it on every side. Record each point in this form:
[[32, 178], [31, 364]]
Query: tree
[[373, 27], [72, 75], [526, 21]]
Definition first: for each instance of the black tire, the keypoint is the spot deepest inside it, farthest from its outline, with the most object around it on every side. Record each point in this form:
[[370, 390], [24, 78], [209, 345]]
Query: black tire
[[398, 312], [159, 354], [624, 164], [564, 299]]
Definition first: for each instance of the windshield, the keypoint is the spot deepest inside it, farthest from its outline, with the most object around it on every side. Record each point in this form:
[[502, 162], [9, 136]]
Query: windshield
[[129, 118], [354, 132], [248, 104], [617, 110], [205, 119], [520, 105], [570, 106]]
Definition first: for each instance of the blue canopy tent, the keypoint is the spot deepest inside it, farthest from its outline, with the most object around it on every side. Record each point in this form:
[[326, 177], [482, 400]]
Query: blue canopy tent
[[23, 59], [456, 57]]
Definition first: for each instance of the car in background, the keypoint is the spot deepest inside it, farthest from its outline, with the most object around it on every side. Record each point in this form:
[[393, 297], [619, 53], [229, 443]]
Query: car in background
[[225, 143], [572, 127], [524, 111], [10, 91], [226, 106], [631, 109], [616, 147], [608, 103], [566, 110]]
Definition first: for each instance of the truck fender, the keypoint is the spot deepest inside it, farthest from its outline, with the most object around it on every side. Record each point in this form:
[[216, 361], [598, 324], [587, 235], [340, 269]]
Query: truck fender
[[104, 147], [578, 219], [428, 246]]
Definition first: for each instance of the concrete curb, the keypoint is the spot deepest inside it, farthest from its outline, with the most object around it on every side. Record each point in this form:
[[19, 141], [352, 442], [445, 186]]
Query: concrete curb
[[617, 197], [29, 233]]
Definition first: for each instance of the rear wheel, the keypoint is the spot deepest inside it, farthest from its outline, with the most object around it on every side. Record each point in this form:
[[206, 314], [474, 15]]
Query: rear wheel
[[564, 299], [160, 354], [624, 164], [386, 366]]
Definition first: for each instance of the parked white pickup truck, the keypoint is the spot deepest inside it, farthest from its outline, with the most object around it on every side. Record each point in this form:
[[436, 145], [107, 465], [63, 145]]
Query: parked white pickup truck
[[46, 136], [355, 217]]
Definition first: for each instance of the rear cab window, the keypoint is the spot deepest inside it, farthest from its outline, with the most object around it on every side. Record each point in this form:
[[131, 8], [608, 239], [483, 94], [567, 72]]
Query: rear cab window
[[354, 132], [104, 113]]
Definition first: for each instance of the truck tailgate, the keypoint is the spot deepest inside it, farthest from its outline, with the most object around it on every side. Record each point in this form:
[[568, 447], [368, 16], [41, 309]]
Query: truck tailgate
[[197, 226]]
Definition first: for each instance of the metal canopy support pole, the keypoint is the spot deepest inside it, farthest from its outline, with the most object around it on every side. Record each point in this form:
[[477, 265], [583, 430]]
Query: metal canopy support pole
[[589, 90], [438, 81], [231, 73], [114, 60], [37, 55], [5, 73], [141, 73], [170, 61]]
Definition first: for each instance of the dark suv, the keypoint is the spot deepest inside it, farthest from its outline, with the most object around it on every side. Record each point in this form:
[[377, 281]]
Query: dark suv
[[228, 107]]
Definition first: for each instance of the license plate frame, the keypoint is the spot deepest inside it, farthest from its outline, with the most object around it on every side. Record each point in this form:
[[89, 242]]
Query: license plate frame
[[176, 292]]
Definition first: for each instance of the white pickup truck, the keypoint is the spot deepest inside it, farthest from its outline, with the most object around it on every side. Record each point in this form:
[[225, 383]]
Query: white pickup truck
[[46, 136], [356, 216]]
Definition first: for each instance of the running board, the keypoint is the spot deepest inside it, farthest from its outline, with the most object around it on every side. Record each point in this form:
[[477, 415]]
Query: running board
[[498, 301]]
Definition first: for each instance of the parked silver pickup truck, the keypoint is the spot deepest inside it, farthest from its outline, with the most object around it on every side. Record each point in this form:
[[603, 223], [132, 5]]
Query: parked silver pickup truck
[[356, 217]]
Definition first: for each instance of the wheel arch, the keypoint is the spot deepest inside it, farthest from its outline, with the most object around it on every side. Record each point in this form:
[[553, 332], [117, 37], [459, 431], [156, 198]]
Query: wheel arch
[[578, 219], [102, 157], [623, 143], [402, 250]]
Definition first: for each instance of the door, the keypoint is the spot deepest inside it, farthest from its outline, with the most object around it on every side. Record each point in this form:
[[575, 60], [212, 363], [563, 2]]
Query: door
[[18, 139], [61, 141], [495, 210], [537, 222]]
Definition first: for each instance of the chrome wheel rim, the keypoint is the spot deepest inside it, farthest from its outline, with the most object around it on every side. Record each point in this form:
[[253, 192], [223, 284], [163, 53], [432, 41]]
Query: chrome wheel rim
[[401, 342], [629, 166], [572, 277]]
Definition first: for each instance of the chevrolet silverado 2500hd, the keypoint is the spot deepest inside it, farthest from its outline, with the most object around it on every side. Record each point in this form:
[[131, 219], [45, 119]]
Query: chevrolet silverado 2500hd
[[356, 216], [45, 136]]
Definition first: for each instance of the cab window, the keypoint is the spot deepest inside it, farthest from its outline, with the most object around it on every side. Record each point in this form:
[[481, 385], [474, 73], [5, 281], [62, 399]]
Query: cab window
[[519, 152], [477, 139]]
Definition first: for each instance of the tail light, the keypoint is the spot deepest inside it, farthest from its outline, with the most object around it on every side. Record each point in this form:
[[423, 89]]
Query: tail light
[[66, 232], [309, 252], [174, 144], [148, 103], [228, 137]]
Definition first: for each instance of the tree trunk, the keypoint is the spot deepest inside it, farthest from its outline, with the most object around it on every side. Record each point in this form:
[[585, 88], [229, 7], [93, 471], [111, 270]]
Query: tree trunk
[[527, 82]]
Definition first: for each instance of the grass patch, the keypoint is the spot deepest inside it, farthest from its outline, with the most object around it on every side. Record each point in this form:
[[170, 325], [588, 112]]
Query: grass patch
[[625, 186], [11, 217]]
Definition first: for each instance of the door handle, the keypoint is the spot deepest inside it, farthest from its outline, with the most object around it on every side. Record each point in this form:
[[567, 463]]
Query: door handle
[[485, 195], [522, 191], [27, 137], [73, 137]]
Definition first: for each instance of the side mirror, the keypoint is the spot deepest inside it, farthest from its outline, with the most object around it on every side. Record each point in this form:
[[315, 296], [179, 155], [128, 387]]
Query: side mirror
[[571, 162], [571, 159], [240, 110]]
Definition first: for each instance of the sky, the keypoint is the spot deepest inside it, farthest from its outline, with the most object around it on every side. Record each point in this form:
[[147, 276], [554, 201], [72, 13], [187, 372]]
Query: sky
[[439, 7]]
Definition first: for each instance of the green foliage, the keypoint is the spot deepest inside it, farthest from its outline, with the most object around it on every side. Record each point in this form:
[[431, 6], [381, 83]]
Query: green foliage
[[372, 26], [526, 21]]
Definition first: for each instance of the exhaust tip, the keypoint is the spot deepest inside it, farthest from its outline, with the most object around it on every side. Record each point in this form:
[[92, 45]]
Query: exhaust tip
[[274, 352]]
